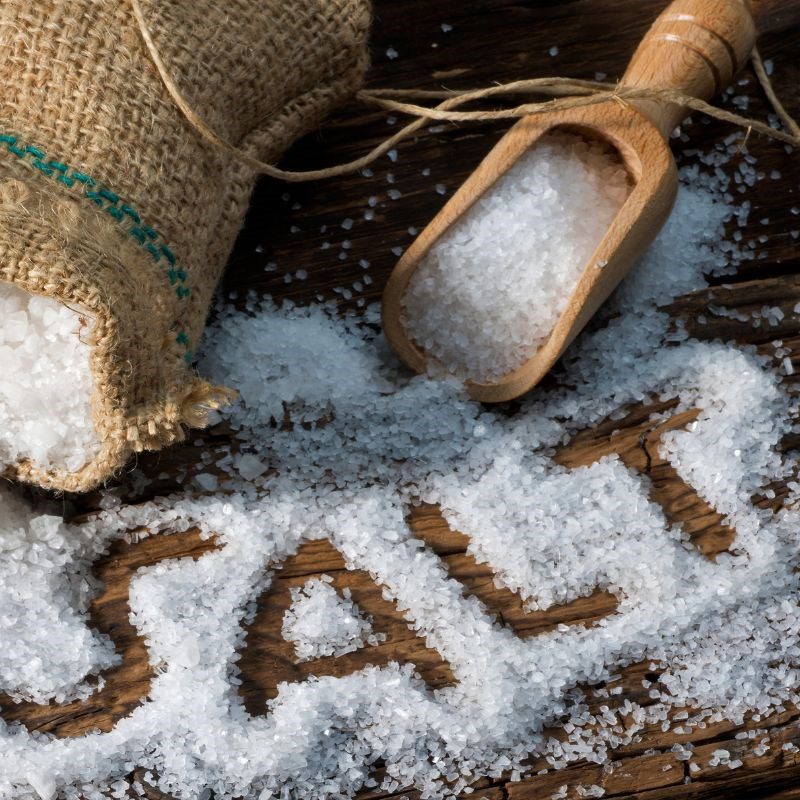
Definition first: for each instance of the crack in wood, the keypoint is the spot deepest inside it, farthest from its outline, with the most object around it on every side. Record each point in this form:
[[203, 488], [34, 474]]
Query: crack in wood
[[636, 441]]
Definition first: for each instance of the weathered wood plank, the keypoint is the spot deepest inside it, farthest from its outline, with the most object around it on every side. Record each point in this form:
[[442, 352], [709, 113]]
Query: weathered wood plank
[[491, 40]]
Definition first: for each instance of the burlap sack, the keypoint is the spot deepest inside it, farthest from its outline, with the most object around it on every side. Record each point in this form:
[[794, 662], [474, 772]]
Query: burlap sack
[[111, 202]]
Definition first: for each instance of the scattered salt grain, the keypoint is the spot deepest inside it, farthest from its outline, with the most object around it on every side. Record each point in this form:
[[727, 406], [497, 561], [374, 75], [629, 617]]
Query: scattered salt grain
[[590, 791], [250, 467], [43, 784], [206, 481], [762, 748]]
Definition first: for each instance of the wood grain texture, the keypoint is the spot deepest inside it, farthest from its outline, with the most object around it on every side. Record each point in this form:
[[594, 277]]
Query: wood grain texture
[[695, 47], [491, 40], [775, 15]]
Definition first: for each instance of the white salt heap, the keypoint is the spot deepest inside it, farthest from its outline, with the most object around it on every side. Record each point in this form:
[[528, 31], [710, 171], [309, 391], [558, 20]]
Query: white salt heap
[[490, 290], [366, 443], [323, 623], [45, 383]]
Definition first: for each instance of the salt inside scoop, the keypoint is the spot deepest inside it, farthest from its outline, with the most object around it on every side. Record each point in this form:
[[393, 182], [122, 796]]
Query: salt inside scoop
[[489, 292], [46, 383]]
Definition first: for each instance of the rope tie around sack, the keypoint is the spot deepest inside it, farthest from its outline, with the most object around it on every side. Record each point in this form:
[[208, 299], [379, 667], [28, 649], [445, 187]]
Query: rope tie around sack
[[569, 93]]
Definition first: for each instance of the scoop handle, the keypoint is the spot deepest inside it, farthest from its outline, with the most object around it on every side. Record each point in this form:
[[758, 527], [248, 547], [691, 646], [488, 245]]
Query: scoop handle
[[694, 47]]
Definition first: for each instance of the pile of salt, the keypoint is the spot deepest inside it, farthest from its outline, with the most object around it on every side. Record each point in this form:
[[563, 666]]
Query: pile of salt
[[487, 295]]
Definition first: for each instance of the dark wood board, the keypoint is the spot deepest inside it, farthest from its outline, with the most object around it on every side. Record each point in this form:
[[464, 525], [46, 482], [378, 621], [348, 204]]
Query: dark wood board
[[490, 41]]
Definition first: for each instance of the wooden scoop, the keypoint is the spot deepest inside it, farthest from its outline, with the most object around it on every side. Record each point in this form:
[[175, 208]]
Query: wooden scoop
[[695, 47]]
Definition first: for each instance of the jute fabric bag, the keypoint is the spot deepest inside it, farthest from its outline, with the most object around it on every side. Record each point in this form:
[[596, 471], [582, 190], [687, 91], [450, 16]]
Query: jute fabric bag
[[111, 203]]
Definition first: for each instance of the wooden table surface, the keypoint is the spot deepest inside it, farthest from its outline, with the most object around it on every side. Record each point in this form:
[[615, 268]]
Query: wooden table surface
[[490, 40]]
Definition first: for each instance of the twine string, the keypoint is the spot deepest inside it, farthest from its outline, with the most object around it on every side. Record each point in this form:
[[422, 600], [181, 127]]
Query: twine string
[[567, 93], [766, 84]]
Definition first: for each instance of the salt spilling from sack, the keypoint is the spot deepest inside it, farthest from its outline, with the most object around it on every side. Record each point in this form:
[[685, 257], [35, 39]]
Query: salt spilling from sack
[[489, 292], [45, 383], [363, 443]]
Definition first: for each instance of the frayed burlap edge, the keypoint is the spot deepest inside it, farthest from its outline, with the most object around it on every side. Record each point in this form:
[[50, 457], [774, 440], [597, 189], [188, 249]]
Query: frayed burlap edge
[[37, 228]]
